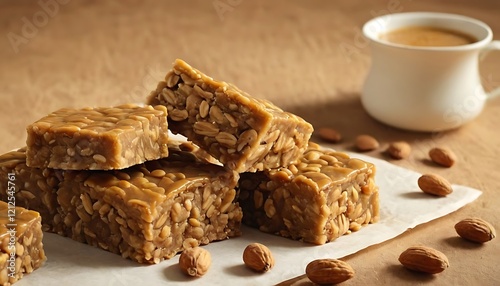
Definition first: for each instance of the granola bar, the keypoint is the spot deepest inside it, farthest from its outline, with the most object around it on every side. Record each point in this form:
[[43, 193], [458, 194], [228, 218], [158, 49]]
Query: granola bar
[[242, 132], [21, 247], [35, 189], [99, 138], [151, 211], [323, 196]]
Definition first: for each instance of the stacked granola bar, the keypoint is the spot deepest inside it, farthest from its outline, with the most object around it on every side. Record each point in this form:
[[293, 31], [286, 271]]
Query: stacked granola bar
[[112, 178], [146, 212]]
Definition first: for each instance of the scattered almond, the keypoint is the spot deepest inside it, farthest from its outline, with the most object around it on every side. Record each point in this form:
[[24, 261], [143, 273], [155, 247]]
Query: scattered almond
[[329, 271], [435, 185], [258, 257], [195, 261], [476, 230], [366, 143], [443, 156], [329, 135], [424, 259], [399, 150]]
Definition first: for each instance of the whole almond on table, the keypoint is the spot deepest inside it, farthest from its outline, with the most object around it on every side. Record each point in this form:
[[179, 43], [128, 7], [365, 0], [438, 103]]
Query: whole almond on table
[[443, 156], [195, 261], [399, 150], [366, 143], [258, 257], [329, 271], [435, 185], [476, 230], [424, 259], [329, 135]]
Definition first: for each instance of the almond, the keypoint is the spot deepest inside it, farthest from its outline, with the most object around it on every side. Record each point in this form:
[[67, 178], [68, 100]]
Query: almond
[[329, 271], [476, 230], [366, 143], [258, 257], [443, 156], [424, 259], [399, 150], [435, 185], [329, 135]]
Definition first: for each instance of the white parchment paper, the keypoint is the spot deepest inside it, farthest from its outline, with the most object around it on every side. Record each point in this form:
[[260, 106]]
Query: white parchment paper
[[403, 206]]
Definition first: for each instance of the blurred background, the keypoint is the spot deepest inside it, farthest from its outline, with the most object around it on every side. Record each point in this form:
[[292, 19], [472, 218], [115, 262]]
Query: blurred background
[[308, 57], [72, 53]]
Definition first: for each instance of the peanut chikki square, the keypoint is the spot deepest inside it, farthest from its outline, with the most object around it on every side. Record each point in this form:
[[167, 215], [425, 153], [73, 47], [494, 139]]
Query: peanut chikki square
[[35, 188], [151, 211], [324, 195], [99, 138], [21, 247], [242, 132]]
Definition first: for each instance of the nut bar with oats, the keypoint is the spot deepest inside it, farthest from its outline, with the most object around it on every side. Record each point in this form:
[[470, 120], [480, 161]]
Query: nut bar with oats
[[242, 132], [101, 138], [21, 247], [35, 188], [151, 211], [324, 195]]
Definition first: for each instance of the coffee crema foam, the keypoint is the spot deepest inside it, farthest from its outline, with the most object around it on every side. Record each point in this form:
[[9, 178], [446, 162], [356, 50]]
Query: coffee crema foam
[[425, 36]]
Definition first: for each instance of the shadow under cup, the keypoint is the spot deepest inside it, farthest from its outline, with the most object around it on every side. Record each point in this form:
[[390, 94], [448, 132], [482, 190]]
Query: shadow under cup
[[424, 88]]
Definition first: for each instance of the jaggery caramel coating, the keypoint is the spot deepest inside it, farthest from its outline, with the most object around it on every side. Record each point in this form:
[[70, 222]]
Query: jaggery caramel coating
[[152, 211], [324, 195], [243, 132], [100, 138]]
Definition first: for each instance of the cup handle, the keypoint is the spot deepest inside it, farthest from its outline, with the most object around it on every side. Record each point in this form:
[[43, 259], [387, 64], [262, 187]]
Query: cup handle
[[492, 46]]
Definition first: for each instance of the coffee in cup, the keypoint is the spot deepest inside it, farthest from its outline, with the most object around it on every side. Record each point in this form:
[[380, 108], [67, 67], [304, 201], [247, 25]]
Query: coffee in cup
[[424, 74], [427, 36]]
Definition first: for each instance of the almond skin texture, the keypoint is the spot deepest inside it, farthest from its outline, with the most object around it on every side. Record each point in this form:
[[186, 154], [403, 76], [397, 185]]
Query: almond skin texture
[[258, 257], [443, 156], [329, 271], [399, 150], [424, 259], [195, 261], [475, 230], [435, 185], [366, 143], [329, 135]]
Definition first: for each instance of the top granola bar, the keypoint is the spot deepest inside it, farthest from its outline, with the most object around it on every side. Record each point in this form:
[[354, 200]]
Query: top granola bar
[[242, 132], [99, 138]]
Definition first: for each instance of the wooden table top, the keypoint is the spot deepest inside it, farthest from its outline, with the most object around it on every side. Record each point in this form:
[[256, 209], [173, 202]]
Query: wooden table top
[[306, 56]]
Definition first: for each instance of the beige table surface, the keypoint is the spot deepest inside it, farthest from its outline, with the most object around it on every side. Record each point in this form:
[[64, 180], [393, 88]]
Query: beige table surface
[[306, 56]]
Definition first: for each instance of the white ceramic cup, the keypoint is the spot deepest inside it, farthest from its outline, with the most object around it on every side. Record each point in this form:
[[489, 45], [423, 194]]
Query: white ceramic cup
[[426, 88]]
